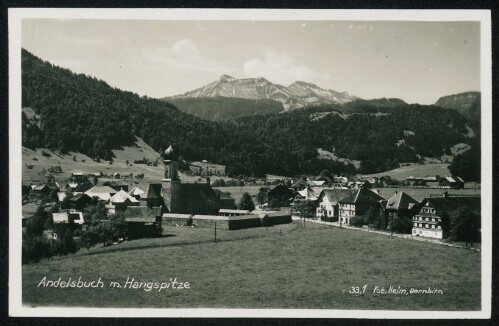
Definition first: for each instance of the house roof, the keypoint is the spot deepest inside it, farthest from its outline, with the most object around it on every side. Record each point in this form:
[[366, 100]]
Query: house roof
[[136, 191], [39, 187], [72, 185], [103, 192], [84, 187], [60, 217], [79, 173], [122, 196], [453, 179], [234, 211], [335, 195], [76, 217], [449, 203], [308, 193], [221, 194], [302, 182], [61, 195], [78, 197], [153, 191], [400, 201], [362, 195]]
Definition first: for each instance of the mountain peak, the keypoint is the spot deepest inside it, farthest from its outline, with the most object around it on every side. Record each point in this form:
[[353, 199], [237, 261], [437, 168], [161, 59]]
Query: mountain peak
[[226, 78], [299, 94]]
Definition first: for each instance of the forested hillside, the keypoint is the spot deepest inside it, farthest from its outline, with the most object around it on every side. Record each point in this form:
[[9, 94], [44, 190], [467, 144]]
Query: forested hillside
[[468, 104], [81, 113], [225, 108]]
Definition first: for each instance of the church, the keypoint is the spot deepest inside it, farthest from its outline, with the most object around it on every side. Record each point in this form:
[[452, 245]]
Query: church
[[177, 197]]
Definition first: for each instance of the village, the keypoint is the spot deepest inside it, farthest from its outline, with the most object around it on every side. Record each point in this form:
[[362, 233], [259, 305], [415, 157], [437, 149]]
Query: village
[[113, 211]]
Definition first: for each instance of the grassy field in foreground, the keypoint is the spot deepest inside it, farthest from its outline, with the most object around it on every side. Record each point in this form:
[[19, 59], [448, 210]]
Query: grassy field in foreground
[[307, 268]]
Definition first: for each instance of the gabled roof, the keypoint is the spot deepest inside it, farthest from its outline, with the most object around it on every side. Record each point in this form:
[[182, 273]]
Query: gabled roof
[[362, 195], [335, 195], [78, 197], [302, 182], [136, 192], [52, 185], [153, 191], [400, 201], [61, 195], [84, 187], [442, 204], [122, 196], [103, 192], [221, 194], [453, 179], [308, 193]]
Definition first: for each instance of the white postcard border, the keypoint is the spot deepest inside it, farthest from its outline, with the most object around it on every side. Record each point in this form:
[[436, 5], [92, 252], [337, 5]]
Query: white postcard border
[[15, 16]]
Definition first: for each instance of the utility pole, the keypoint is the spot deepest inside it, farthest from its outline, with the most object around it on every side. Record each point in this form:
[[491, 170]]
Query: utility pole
[[215, 231]]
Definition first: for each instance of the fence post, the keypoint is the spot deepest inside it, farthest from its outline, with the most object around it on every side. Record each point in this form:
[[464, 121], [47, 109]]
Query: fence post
[[215, 231]]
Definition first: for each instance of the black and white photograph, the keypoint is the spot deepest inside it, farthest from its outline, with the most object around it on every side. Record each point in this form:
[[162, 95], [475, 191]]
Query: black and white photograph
[[250, 163]]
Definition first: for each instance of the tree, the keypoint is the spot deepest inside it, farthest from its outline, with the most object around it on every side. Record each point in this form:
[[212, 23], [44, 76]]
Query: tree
[[262, 195], [373, 218], [467, 165], [464, 225], [90, 237], [305, 208], [246, 203], [400, 225]]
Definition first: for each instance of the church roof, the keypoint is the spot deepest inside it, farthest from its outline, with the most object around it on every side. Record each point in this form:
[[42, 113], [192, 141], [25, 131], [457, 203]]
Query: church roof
[[197, 192], [170, 154]]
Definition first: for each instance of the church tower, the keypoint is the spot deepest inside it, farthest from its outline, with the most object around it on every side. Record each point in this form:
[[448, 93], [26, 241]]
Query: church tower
[[170, 185]]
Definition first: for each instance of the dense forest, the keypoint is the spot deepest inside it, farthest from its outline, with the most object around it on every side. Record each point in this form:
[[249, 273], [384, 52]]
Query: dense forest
[[225, 108], [81, 113]]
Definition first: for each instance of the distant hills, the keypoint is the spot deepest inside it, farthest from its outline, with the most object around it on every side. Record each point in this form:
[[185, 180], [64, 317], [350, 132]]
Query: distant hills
[[298, 94], [73, 112], [467, 104]]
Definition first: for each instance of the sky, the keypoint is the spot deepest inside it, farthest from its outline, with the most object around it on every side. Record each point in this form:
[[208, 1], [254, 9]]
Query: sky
[[415, 61]]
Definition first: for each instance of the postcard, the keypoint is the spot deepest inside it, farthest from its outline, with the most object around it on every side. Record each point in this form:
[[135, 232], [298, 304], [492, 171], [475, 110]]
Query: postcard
[[250, 163]]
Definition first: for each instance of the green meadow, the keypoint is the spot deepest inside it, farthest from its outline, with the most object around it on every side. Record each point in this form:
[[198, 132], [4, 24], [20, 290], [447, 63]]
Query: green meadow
[[285, 266]]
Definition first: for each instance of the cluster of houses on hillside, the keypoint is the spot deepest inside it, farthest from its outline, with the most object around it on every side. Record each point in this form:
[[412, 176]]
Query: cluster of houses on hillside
[[342, 203], [145, 210]]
